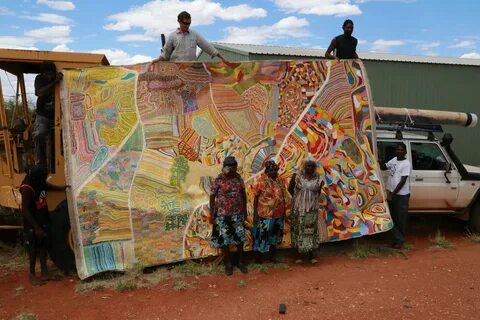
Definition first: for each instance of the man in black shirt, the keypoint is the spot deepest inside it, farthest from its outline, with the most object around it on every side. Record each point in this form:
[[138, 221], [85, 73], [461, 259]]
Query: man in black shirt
[[44, 89], [345, 45]]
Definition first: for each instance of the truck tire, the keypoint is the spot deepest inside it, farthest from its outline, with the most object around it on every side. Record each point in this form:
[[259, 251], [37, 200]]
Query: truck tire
[[60, 251], [474, 220]]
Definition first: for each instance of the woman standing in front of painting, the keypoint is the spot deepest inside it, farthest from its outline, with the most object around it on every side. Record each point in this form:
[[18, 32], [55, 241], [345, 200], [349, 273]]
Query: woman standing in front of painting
[[307, 230], [228, 207], [268, 212]]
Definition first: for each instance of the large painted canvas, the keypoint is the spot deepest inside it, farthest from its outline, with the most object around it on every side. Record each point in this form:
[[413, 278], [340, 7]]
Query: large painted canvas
[[143, 143]]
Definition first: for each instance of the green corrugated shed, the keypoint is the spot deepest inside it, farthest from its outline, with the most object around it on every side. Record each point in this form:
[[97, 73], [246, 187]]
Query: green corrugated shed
[[412, 82]]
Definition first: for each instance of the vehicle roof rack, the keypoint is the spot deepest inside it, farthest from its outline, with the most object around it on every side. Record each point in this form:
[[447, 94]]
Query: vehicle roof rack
[[409, 127]]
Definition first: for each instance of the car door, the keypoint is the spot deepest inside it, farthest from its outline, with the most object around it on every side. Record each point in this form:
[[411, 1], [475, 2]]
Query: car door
[[433, 185]]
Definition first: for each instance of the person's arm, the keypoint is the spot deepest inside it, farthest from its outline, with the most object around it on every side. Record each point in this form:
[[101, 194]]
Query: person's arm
[[228, 63], [41, 91], [167, 50], [255, 207], [244, 201], [207, 47], [331, 47], [400, 185], [355, 55], [212, 207], [382, 164], [27, 198], [291, 185], [257, 191], [52, 187]]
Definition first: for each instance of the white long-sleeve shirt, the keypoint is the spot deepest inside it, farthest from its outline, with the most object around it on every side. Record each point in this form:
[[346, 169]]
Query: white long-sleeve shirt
[[182, 46]]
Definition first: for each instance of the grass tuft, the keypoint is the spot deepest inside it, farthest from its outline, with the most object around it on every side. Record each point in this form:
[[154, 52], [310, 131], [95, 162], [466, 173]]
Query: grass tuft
[[439, 241], [242, 284], [26, 316], [473, 237], [125, 285], [13, 258], [179, 285]]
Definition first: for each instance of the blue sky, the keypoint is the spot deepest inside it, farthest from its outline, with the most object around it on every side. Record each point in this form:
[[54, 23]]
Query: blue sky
[[129, 30]]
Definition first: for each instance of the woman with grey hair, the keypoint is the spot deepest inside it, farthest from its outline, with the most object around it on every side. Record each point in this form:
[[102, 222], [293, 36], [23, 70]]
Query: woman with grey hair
[[306, 189]]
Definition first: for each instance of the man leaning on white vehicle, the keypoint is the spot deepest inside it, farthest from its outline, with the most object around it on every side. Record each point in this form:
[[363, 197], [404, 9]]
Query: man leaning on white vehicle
[[398, 193]]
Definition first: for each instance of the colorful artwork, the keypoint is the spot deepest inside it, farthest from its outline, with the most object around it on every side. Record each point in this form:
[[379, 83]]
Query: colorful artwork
[[143, 144]]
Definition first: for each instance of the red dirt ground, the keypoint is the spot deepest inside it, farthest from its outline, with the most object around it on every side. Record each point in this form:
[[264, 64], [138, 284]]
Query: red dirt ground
[[424, 284]]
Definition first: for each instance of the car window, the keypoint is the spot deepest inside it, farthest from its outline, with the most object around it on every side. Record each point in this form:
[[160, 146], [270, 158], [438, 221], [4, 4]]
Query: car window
[[386, 151], [427, 156]]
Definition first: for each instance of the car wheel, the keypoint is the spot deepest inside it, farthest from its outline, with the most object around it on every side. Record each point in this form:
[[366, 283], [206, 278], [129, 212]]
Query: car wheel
[[474, 221], [60, 250]]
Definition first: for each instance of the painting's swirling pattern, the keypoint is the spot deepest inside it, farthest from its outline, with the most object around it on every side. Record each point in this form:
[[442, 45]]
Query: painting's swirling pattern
[[143, 144]]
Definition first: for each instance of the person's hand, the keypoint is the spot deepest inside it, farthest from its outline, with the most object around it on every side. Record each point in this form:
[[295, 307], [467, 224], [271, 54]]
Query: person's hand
[[39, 233], [389, 196], [212, 217]]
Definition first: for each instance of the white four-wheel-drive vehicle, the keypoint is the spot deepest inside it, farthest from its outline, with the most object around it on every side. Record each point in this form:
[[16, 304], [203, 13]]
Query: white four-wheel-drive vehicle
[[439, 181]]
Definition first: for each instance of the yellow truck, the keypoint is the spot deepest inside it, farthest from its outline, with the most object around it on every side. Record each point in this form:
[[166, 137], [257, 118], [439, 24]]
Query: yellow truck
[[16, 145]]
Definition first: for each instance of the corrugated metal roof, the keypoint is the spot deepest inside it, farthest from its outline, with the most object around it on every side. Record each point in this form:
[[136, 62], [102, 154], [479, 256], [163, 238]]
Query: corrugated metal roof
[[311, 52]]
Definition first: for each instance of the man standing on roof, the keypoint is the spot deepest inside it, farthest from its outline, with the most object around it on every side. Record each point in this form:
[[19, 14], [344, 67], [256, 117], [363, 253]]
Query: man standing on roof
[[182, 44], [345, 45]]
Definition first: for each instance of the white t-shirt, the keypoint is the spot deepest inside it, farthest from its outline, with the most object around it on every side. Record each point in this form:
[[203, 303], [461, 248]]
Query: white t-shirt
[[398, 169]]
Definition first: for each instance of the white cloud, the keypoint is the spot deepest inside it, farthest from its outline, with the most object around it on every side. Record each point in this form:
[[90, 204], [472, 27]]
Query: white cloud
[[157, 17], [471, 55], [56, 34], [403, 1], [241, 12], [135, 38], [431, 54], [62, 48], [49, 18], [425, 46], [320, 7], [58, 5], [464, 44], [9, 86], [381, 45], [120, 57], [285, 28], [6, 12], [11, 42], [59, 35]]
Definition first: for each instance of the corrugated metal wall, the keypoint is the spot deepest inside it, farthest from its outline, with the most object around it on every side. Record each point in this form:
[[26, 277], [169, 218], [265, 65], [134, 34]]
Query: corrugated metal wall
[[229, 55], [431, 86]]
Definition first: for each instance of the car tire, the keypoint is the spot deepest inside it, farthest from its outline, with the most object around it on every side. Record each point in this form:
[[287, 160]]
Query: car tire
[[60, 251], [474, 220]]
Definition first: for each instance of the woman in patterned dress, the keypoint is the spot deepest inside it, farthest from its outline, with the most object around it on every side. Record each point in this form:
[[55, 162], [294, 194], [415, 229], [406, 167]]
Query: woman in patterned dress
[[307, 230], [269, 212], [228, 207]]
